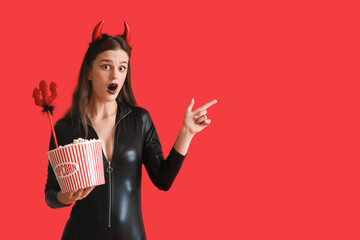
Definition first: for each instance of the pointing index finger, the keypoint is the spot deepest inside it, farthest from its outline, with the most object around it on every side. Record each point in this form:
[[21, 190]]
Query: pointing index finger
[[207, 105]]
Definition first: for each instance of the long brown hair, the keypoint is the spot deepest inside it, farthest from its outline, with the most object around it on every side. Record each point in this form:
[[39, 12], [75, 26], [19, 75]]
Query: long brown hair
[[81, 96]]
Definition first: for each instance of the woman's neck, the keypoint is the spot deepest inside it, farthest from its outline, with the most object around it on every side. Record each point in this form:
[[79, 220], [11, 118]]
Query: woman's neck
[[101, 110]]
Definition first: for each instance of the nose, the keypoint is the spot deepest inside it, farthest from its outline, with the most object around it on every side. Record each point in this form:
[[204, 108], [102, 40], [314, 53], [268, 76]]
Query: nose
[[114, 74]]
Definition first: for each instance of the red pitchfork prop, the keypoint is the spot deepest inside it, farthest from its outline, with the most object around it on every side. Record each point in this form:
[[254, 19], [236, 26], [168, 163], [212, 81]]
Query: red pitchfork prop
[[46, 101]]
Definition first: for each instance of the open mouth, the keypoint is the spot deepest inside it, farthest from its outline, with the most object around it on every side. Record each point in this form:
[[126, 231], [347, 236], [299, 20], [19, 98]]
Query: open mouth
[[112, 88]]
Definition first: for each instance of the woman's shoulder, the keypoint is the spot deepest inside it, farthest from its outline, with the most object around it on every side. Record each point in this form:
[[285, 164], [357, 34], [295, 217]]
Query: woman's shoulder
[[142, 112], [64, 123], [138, 110], [65, 131]]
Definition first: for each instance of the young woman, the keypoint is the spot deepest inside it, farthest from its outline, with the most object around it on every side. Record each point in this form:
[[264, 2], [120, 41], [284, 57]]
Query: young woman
[[104, 107]]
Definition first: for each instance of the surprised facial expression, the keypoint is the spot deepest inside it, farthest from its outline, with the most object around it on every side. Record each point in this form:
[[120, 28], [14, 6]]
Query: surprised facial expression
[[107, 74]]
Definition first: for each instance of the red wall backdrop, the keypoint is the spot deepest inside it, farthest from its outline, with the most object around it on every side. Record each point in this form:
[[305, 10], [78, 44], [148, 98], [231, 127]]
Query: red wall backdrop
[[280, 159]]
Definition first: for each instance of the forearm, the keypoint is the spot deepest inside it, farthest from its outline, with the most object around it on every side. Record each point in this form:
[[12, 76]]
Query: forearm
[[52, 199], [183, 140]]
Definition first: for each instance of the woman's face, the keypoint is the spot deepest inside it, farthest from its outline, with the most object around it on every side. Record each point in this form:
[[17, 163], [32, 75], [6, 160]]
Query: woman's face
[[107, 74]]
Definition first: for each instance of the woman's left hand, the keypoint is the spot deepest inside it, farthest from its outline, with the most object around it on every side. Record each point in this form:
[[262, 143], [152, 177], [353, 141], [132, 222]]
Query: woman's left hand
[[195, 121]]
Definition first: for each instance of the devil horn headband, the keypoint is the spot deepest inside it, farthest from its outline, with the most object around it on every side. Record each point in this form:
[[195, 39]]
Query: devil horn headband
[[97, 32]]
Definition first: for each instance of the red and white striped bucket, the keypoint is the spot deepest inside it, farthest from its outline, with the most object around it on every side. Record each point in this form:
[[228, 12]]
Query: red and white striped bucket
[[78, 165]]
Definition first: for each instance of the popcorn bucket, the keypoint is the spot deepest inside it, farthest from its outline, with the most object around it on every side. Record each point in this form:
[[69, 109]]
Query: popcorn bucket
[[78, 165]]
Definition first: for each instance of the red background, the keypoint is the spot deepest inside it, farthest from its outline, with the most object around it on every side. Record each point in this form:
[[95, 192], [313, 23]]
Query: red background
[[280, 159]]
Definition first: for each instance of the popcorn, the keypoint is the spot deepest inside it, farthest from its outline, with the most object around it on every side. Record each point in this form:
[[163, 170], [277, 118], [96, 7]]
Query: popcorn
[[79, 140]]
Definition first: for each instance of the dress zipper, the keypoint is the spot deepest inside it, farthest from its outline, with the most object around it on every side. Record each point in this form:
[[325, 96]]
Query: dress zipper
[[109, 169]]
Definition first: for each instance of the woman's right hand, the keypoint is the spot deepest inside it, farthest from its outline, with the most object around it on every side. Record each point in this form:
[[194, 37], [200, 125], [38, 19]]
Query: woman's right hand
[[69, 197]]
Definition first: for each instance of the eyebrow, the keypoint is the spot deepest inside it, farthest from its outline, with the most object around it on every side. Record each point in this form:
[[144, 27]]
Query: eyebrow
[[108, 60]]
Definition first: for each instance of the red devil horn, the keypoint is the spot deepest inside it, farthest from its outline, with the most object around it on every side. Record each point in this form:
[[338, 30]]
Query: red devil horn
[[126, 33], [97, 31]]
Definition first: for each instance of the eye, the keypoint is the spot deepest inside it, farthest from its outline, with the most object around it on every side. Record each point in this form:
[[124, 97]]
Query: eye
[[105, 66], [122, 68]]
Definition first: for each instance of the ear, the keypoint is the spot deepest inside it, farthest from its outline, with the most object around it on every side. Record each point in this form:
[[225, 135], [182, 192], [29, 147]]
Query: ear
[[89, 74]]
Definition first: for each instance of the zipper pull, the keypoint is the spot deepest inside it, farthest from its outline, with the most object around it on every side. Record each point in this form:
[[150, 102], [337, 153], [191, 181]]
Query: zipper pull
[[109, 169]]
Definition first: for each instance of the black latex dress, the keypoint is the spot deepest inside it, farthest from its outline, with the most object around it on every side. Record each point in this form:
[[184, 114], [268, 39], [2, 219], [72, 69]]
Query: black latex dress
[[113, 210]]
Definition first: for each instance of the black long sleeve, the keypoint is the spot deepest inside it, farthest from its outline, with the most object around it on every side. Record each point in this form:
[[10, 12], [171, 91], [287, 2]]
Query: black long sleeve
[[52, 186], [162, 172]]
